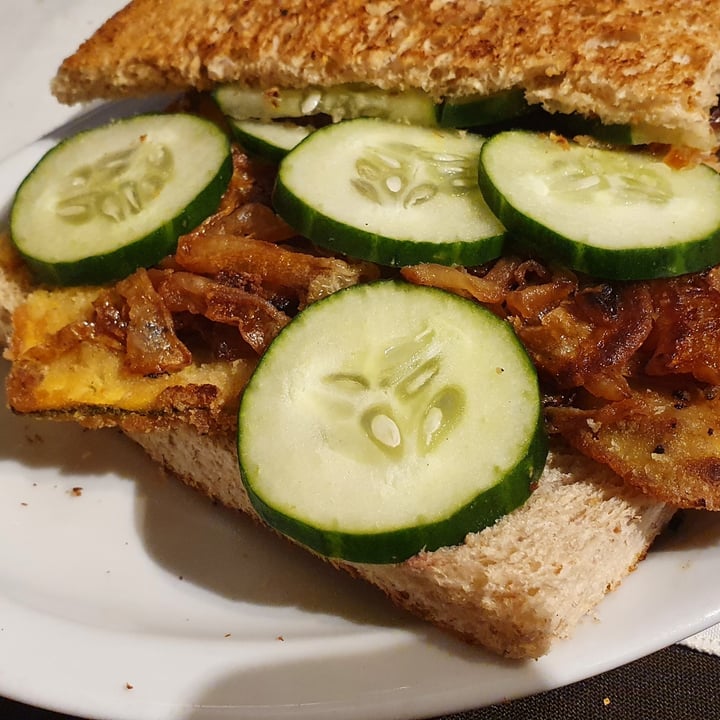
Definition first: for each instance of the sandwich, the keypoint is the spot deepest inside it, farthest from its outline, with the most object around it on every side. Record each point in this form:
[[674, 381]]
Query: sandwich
[[601, 420]]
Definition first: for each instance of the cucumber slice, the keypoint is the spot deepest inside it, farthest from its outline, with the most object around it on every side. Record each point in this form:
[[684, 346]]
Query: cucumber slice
[[389, 193], [613, 134], [612, 214], [478, 111], [272, 140], [109, 200], [388, 418], [573, 125], [618, 134], [340, 102]]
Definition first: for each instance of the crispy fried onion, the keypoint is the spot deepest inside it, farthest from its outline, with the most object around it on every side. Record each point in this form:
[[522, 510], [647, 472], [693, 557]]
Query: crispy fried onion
[[137, 318], [629, 369], [686, 337], [151, 345], [232, 280], [577, 337], [278, 273], [257, 320]]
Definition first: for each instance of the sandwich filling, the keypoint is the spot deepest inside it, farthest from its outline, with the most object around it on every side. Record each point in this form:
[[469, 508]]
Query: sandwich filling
[[629, 369]]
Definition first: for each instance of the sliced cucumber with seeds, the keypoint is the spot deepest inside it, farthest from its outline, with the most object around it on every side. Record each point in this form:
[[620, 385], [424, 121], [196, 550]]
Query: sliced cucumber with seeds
[[272, 140], [340, 102], [389, 193], [476, 111], [388, 418], [611, 214], [109, 200]]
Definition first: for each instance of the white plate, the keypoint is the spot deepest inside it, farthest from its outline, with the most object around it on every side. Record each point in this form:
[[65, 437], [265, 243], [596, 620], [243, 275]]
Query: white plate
[[35, 35], [136, 599]]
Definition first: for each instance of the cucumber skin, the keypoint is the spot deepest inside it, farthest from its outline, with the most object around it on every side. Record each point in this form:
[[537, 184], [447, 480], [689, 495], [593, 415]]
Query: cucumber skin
[[493, 110], [481, 512], [575, 124], [257, 147], [100, 269], [395, 546], [527, 234], [373, 247], [144, 252], [509, 109]]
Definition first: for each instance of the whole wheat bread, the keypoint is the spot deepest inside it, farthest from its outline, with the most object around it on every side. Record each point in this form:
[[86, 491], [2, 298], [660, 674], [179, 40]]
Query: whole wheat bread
[[15, 283], [515, 587], [642, 62]]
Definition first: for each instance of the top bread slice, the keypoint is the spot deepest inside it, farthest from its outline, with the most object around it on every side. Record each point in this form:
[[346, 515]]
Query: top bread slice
[[647, 63], [514, 588]]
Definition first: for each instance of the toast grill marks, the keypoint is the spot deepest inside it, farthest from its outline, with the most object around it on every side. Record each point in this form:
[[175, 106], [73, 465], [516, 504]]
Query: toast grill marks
[[642, 62]]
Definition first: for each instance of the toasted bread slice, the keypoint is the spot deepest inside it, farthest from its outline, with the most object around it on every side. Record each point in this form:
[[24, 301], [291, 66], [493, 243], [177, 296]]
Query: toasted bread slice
[[650, 64], [514, 588]]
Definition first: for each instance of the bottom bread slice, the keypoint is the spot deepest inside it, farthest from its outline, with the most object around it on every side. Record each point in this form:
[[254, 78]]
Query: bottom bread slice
[[515, 587]]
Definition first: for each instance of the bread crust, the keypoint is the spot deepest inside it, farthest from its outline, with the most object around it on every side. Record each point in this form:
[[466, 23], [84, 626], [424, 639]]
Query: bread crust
[[641, 62], [15, 284]]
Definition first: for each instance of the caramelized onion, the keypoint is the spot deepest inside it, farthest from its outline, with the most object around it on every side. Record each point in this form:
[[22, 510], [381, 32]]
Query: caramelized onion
[[257, 319], [152, 347], [687, 327], [577, 338], [304, 276]]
